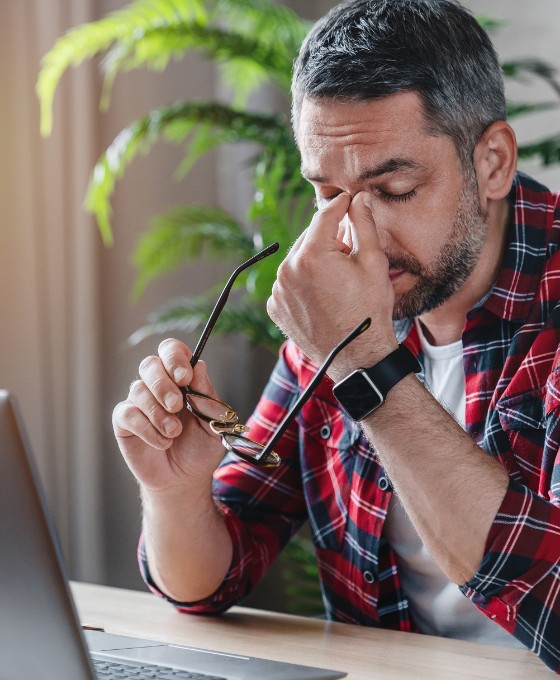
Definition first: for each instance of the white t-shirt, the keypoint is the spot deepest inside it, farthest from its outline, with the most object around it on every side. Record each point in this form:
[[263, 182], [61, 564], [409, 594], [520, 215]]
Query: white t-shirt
[[437, 605]]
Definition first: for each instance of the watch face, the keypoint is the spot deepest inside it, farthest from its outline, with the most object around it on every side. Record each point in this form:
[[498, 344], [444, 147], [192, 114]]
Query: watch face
[[358, 395]]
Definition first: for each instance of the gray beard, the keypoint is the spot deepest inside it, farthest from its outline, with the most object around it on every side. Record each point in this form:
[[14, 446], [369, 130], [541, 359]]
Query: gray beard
[[454, 263]]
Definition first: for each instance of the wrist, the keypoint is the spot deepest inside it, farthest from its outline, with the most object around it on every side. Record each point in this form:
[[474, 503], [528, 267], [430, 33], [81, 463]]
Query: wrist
[[178, 496], [356, 357], [366, 389]]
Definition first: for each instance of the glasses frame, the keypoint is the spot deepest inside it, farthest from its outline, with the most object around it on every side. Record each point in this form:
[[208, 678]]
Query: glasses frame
[[304, 396], [228, 424]]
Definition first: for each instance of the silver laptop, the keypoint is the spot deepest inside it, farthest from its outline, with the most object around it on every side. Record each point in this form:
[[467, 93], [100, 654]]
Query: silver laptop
[[40, 634]]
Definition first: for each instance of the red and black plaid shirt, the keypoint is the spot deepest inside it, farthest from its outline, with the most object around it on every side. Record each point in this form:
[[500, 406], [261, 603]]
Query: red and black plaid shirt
[[330, 476]]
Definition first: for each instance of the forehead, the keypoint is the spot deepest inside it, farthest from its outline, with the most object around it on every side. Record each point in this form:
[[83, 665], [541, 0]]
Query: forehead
[[353, 133]]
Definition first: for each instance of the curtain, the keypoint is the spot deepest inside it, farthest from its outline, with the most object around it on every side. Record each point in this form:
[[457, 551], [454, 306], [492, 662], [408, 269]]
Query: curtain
[[49, 337]]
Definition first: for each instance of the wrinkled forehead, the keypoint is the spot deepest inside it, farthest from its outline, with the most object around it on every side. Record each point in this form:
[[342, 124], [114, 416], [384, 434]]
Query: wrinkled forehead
[[330, 128], [332, 118]]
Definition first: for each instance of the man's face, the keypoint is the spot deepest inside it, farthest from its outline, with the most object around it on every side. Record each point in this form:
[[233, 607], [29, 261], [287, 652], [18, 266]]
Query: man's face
[[426, 208]]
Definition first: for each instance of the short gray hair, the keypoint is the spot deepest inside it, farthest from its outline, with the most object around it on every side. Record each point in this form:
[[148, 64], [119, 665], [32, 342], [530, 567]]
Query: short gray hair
[[367, 49]]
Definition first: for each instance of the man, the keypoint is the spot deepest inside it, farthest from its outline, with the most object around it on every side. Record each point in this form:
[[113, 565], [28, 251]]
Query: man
[[438, 510]]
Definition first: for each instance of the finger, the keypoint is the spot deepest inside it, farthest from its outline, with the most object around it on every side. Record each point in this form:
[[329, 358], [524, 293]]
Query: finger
[[344, 236], [363, 231], [167, 424], [201, 381], [129, 421], [157, 380], [324, 228], [176, 358], [329, 213], [296, 245]]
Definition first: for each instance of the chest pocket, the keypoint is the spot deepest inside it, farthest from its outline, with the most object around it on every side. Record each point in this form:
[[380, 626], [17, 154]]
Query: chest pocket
[[329, 442], [530, 421], [522, 411]]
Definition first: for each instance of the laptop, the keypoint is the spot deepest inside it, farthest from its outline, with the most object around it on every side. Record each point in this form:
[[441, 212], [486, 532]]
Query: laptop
[[40, 634]]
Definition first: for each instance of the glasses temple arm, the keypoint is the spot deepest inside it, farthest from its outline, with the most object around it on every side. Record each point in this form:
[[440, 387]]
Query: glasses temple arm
[[223, 299], [304, 396]]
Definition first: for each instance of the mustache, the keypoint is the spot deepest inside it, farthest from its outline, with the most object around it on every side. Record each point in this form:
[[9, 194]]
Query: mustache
[[405, 263]]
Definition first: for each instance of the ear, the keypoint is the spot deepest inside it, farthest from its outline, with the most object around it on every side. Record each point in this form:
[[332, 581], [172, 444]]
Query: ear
[[495, 162]]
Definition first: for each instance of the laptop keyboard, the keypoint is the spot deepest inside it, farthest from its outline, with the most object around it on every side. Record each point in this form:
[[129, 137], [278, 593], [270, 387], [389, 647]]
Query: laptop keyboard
[[117, 670]]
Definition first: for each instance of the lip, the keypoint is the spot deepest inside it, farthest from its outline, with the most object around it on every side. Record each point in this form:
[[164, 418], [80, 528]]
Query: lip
[[394, 274]]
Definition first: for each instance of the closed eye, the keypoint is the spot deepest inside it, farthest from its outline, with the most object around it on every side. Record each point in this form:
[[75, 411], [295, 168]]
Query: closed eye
[[397, 198]]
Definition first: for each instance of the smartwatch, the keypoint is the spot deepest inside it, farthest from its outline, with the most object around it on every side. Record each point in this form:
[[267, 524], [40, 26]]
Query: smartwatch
[[366, 389]]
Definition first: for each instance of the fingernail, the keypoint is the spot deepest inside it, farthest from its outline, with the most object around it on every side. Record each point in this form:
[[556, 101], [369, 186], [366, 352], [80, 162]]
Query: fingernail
[[169, 425], [179, 373], [170, 400]]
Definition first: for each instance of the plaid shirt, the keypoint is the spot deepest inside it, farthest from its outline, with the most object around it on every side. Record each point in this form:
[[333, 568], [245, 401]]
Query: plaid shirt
[[330, 475]]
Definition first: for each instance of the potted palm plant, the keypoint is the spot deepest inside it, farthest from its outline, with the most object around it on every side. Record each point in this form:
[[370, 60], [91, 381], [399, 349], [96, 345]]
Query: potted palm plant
[[253, 43]]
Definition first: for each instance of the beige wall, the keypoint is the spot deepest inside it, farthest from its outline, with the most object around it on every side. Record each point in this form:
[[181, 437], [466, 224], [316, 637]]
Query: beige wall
[[65, 311]]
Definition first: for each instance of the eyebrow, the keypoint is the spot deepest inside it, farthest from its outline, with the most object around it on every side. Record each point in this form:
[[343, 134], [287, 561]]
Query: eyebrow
[[388, 166]]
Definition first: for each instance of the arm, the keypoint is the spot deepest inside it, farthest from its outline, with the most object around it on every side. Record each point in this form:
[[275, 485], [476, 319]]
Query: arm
[[495, 537], [173, 456], [183, 539], [450, 488]]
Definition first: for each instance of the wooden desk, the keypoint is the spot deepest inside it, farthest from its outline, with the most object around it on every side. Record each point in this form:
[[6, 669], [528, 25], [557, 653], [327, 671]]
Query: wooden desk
[[364, 653]]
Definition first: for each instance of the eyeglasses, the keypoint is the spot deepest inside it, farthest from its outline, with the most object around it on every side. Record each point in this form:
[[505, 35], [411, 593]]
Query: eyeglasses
[[222, 418]]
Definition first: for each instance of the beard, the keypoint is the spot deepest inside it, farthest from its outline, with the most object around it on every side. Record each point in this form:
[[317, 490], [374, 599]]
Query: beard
[[454, 263]]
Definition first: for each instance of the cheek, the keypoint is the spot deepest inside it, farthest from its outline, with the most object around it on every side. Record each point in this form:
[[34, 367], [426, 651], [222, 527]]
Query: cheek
[[418, 229]]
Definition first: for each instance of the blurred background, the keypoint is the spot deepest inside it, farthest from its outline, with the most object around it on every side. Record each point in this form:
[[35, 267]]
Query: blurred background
[[66, 309]]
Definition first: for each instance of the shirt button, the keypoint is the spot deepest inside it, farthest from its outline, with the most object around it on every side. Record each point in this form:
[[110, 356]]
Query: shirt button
[[369, 577], [384, 483], [325, 432]]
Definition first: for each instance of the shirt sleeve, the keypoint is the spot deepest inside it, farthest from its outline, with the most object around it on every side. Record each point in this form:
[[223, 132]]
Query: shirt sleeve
[[262, 507], [518, 582]]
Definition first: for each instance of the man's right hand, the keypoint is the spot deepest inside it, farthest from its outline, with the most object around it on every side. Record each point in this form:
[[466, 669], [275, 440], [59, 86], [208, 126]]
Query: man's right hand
[[163, 444]]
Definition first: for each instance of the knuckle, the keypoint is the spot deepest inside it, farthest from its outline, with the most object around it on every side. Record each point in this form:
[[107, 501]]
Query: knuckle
[[153, 409], [271, 307], [147, 362], [157, 384], [283, 276], [150, 435], [168, 347], [136, 389], [123, 414]]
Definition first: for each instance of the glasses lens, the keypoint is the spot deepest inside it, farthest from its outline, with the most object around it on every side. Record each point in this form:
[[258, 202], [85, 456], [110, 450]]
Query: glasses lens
[[249, 450], [210, 409]]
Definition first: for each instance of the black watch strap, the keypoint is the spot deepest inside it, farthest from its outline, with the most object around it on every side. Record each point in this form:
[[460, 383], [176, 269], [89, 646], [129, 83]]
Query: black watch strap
[[389, 371], [365, 389]]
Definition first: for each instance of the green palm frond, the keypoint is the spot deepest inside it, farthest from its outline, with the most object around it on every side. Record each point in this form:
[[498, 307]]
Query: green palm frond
[[181, 234], [90, 39], [177, 123], [189, 315], [520, 69], [281, 209], [268, 18], [515, 109], [488, 23], [154, 48], [547, 150], [254, 40]]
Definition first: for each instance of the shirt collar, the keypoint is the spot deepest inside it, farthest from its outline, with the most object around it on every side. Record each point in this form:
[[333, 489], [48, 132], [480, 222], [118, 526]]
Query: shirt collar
[[511, 297]]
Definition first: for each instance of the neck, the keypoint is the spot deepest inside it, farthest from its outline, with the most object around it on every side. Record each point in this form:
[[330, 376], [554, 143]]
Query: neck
[[445, 324]]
